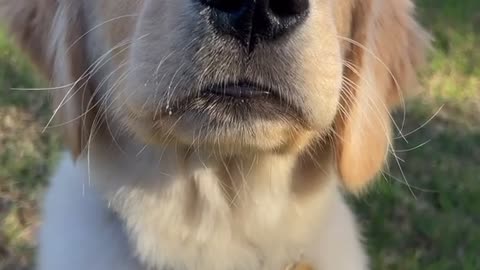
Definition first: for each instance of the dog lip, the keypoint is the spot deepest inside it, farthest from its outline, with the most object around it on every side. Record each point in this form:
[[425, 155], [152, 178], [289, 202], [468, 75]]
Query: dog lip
[[241, 90], [236, 101]]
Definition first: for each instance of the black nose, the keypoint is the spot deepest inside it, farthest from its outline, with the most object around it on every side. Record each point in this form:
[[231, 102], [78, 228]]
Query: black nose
[[251, 21]]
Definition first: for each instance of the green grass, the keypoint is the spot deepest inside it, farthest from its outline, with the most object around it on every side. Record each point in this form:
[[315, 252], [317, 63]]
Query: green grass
[[26, 157], [434, 225]]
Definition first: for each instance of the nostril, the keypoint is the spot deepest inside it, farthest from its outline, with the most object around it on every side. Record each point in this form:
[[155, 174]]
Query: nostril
[[254, 21], [288, 8], [229, 6]]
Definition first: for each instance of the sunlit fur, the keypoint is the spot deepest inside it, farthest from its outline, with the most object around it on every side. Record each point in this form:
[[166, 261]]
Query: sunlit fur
[[154, 184]]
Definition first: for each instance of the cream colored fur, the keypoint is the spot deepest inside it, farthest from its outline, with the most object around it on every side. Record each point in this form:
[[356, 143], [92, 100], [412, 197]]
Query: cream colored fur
[[260, 229]]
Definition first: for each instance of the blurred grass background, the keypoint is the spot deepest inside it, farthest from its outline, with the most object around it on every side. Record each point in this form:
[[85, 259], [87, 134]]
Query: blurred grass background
[[434, 224]]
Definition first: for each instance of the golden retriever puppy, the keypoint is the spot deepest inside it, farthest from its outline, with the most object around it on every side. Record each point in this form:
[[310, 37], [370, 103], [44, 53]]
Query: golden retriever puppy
[[215, 134]]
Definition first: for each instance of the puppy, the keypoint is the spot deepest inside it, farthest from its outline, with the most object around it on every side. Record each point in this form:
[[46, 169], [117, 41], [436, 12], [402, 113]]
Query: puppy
[[215, 134]]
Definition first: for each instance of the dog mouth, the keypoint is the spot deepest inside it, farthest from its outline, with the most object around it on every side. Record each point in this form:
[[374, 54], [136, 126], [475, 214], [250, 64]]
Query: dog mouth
[[243, 100], [242, 90], [240, 98], [234, 103], [247, 98], [236, 115]]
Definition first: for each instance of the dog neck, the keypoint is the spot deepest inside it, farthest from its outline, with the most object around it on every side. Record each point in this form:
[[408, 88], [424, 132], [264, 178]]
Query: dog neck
[[182, 206]]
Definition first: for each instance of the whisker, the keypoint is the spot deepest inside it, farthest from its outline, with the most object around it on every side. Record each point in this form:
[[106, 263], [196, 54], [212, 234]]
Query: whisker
[[389, 176], [400, 168], [89, 106], [390, 147], [397, 84], [374, 103], [94, 67], [68, 96], [423, 125], [98, 26], [42, 89], [413, 148]]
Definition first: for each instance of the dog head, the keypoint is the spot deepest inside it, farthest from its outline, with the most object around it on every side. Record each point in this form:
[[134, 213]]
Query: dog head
[[232, 75]]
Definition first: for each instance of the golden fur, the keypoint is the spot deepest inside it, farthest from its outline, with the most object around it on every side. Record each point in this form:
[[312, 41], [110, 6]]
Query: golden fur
[[127, 65]]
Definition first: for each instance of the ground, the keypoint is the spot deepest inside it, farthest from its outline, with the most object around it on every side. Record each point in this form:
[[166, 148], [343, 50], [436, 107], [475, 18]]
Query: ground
[[427, 217]]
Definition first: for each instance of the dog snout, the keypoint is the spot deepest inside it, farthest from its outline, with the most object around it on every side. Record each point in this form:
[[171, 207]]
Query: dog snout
[[253, 21]]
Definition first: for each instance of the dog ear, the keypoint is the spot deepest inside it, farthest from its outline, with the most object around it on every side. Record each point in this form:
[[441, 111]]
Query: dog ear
[[386, 49], [51, 34]]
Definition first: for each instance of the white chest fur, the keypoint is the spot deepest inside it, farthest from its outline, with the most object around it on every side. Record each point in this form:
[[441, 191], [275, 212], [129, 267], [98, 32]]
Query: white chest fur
[[185, 216], [206, 214]]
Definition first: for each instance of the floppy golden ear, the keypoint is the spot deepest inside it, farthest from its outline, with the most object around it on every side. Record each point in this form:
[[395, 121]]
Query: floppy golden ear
[[386, 48], [51, 34]]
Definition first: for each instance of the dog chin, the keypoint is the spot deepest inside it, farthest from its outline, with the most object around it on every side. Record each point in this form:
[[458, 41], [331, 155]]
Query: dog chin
[[225, 123], [233, 138]]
